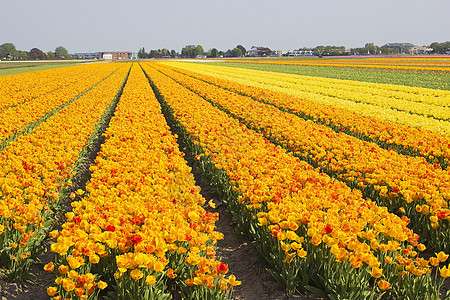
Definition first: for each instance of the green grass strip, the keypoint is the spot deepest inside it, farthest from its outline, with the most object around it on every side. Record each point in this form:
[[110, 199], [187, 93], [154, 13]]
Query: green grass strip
[[11, 69]]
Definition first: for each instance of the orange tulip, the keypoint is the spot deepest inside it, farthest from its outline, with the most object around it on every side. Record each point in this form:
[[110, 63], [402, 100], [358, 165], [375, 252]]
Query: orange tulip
[[384, 285]]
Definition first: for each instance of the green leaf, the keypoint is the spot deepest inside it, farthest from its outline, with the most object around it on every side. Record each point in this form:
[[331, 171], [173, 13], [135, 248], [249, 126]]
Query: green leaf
[[317, 291]]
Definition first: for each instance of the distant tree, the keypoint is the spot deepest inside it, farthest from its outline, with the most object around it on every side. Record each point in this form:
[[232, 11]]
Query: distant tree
[[236, 52], [61, 53], [51, 55], [165, 52], [214, 52], [153, 53], [243, 50], [142, 53], [173, 53], [192, 51], [440, 48], [386, 50], [329, 50], [22, 55], [199, 50], [8, 50], [35, 54], [371, 48], [359, 51], [220, 54], [187, 51]]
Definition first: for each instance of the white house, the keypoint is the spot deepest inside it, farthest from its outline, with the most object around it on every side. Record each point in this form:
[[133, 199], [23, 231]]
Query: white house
[[107, 56]]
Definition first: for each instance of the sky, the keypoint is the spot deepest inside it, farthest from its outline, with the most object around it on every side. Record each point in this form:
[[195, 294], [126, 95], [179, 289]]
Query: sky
[[128, 25]]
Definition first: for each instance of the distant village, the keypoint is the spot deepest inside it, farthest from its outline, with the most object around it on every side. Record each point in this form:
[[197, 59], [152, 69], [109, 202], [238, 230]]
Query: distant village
[[196, 51], [9, 52]]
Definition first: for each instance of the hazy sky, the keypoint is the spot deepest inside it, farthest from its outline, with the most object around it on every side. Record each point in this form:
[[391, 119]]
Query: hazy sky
[[100, 25]]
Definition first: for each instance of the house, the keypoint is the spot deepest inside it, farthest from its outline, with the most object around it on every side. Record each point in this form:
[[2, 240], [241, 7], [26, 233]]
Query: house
[[258, 51], [277, 53], [298, 53], [421, 50], [88, 55], [116, 55], [105, 55], [399, 47], [252, 52]]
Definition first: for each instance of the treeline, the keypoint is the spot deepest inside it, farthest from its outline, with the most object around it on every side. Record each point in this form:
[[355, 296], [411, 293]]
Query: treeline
[[9, 51], [441, 48], [195, 51], [372, 49], [159, 53]]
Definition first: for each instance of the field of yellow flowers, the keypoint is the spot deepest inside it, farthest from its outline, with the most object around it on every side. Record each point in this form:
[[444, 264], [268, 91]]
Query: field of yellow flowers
[[342, 185]]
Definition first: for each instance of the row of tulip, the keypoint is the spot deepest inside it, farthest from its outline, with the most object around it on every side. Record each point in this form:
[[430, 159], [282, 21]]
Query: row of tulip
[[311, 227], [430, 79], [295, 85], [15, 119], [407, 61], [392, 179], [24, 87], [352, 89], [34, 169], [374, 91], [403, 139], [141, 226], [357, 64]]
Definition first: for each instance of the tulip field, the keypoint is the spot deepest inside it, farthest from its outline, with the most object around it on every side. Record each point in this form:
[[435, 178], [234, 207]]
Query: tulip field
[[342, 185], [415, 71]]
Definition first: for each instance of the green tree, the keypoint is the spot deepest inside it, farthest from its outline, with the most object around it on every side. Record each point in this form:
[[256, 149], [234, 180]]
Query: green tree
[[440, 48], [173, 53], [371, 48], [187, 51], [142, 53], [153, 53], [329, 50], [8, 50], [51, 55], [61, 53], [214, 52], [192, 51], [236, 52], [386, 50], [165, 52], [360, 51], [22, 55], [199, 50]]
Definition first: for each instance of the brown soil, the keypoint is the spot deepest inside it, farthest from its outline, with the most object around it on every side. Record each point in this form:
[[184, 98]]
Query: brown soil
[[34, 289], [243, 261]]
